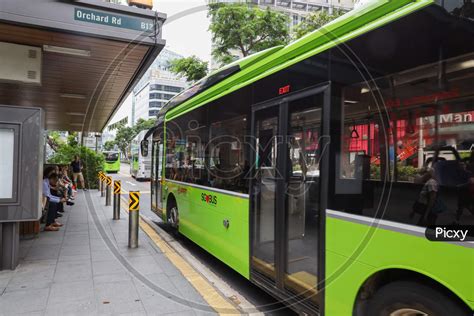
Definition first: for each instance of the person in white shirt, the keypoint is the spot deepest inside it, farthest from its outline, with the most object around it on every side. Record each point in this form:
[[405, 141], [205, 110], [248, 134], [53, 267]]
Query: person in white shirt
[[54, 203]]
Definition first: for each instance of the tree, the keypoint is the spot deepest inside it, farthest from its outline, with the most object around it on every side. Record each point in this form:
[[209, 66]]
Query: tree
[[246, 29], [124, 137], [65, 152], [314, 21], [54, 140], [192, 68], [72, 139], [109, 145], [125, 134], [143, 125]]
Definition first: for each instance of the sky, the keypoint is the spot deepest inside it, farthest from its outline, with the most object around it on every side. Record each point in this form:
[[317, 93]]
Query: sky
[[186, 29], [186, 33]]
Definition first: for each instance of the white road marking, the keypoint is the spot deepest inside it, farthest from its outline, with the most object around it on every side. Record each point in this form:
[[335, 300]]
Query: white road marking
[[131, 183]]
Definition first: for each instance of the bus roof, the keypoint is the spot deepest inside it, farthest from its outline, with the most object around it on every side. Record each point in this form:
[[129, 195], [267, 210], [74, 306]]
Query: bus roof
[[352, 24], [215, 77]]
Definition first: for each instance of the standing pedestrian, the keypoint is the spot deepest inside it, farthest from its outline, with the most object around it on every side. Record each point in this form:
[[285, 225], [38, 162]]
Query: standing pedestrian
[[76, 166]]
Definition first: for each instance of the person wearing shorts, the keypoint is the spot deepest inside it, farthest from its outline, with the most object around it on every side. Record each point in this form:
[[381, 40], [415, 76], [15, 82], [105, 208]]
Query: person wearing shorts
[[76, 166]]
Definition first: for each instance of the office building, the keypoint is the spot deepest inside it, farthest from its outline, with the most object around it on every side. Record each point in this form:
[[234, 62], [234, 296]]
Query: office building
[[156, 87]]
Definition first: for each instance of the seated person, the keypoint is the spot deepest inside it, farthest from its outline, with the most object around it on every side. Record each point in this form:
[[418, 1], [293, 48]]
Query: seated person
[[60, 188], [66, 183], [55, 202]]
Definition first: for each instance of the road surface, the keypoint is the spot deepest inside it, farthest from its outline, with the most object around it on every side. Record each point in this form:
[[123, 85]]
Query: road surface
[[247, 295]]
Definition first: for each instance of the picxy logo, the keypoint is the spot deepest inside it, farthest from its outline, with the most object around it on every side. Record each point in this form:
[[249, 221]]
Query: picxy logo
[[450, 233]]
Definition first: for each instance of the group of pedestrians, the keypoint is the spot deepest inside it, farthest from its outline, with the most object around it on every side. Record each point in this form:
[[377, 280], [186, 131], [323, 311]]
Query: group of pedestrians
[[59, 189], [430, 203]]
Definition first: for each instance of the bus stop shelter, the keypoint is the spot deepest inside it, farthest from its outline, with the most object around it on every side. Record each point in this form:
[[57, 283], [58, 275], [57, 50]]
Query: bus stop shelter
[[66, 65]]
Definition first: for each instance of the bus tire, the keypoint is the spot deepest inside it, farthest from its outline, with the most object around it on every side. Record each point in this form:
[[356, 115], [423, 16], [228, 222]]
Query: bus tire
[[173, 216], [411, 298]]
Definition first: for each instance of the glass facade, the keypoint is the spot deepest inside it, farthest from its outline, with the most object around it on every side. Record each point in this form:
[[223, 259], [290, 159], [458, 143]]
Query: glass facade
[[157, 87]]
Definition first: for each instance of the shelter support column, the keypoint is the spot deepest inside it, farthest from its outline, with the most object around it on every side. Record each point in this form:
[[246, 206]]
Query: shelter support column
[[9, 245]]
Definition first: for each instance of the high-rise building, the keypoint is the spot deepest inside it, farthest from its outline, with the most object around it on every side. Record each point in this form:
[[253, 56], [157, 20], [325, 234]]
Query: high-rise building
[[297, 10], [156, 87]]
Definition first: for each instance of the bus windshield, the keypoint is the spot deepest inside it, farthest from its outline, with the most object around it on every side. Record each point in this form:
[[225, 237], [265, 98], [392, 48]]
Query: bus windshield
[[111, 157]]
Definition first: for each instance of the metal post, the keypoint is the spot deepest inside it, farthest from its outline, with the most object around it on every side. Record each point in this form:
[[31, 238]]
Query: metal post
[[108, 191], [117, 192], [100, 181], [9, 245], [102, 187], [133, 218]]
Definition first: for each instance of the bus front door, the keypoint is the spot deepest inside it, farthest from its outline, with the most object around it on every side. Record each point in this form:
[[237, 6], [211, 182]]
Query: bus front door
[[155, 177], [285, 230]]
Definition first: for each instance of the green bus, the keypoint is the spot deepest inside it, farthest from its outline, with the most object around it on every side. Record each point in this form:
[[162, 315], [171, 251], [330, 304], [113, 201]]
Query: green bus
[[309, 168], [112, 161]]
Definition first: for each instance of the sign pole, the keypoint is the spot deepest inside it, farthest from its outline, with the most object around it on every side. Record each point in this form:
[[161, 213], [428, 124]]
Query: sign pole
[[133, 218], [117, 192], [108, 191], [102, 187], [99, 177]]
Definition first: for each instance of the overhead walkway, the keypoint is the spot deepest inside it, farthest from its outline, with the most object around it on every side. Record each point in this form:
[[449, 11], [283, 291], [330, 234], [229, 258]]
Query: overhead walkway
[[87, 268]]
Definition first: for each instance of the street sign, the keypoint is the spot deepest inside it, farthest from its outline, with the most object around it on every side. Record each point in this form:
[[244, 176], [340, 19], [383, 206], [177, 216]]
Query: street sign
[[117, 187], [134, 201], [115, 20]]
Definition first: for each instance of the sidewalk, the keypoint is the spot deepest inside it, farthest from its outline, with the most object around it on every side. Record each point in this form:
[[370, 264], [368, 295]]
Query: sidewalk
[[87, 269]]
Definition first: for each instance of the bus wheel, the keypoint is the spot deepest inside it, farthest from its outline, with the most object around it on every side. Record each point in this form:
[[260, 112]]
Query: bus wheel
[[403, 298], [173, 217]]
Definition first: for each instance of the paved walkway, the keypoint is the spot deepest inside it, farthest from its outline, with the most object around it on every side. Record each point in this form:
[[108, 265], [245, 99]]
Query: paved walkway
[[87, 269]]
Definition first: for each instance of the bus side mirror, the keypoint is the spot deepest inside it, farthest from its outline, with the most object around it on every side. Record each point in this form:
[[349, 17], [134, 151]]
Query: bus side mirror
[[144, 147]]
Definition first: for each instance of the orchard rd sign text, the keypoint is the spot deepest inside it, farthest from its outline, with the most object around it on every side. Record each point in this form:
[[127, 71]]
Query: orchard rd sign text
[[121, 21]]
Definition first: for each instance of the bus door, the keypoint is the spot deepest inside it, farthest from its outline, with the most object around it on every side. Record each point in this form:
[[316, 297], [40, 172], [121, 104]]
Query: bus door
[[155, 176], [285, 199]]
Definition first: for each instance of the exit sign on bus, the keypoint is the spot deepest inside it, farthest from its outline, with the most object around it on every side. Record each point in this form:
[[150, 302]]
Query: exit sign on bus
[[284, 90]]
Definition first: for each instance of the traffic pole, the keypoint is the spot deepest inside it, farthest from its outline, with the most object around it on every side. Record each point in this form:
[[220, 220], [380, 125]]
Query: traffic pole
[[133, 218], [117, 192], [108, 192]]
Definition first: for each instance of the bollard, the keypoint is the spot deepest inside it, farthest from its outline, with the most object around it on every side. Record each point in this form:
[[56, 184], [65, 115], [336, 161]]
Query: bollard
[[99, 177], [102, 188], [117, 192], [108, 192], [133, 218]]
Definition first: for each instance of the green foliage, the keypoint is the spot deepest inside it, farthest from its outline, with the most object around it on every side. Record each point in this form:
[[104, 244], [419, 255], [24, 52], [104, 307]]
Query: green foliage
[[375, 171], [54, 140], [125, 134], [143, 125], [406, 173], [109, 145], [192, 68], [246, 29], [92, 161], [72, 139], [314, 21], [123, 138], [55, 136]]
